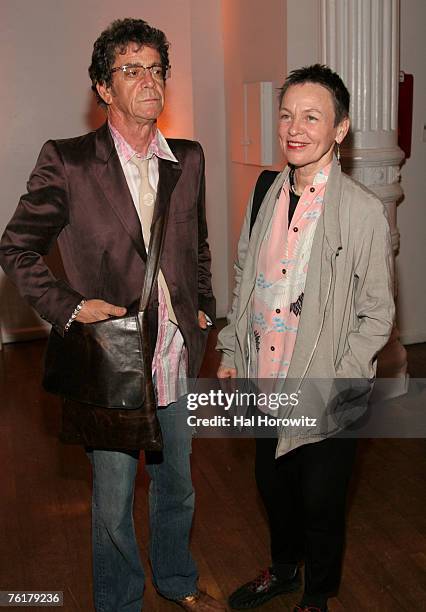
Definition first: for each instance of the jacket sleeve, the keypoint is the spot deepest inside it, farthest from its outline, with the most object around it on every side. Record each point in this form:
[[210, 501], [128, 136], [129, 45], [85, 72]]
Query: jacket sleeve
[[373, 300], [41, 215], [226, 337], [206, 300]]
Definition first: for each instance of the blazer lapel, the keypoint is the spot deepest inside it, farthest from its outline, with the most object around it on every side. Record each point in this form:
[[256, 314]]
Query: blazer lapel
[[113, 184], [169, 174]]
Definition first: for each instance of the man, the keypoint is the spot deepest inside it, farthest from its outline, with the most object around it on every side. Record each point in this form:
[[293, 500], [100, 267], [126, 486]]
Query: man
[[99, 194]]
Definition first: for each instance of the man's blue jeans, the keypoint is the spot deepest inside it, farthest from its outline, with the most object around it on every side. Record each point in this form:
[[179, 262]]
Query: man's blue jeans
[[117, 568]]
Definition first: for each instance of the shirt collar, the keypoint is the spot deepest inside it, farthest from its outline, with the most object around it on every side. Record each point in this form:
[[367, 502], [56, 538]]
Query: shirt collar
[[158, 147], [319, 179], [322, 175]]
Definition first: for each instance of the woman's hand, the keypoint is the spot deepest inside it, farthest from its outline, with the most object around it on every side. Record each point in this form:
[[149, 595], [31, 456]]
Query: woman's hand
[[224, 372]]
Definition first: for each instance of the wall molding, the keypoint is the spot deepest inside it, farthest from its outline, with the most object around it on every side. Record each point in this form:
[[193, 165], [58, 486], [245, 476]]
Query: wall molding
[[416, 336], [24, 334]]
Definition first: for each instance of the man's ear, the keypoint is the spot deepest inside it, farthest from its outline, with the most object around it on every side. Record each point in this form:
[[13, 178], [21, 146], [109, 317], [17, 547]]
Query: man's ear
[[342, 129], [104, 92]]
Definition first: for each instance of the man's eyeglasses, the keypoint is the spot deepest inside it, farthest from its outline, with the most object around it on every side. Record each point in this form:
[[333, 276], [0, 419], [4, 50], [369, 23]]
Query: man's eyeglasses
[[137, 72]]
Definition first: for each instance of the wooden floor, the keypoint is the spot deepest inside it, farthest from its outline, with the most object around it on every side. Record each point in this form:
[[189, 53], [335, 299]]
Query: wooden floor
[[45, 507]]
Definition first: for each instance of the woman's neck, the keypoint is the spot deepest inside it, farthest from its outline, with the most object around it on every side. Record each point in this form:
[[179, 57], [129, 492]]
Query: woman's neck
[[305, 175], [302, 178]]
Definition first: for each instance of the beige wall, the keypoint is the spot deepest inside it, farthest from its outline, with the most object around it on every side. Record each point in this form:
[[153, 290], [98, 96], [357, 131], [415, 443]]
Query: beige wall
[[45, 49], [411, 261], [216, 46], [255, 50], [302, 17], [210, 129], [303, 48]]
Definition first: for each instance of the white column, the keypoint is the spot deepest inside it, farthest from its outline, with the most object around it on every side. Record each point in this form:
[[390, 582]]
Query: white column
[[360, 41]]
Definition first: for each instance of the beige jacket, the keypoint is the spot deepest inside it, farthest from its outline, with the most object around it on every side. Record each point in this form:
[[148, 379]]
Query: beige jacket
[[348, 309]]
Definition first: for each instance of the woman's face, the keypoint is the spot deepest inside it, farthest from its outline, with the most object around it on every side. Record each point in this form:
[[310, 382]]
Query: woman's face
[[306, 127]]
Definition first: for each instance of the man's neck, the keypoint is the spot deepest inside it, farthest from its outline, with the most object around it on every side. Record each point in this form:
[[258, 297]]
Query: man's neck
[[138, 136]]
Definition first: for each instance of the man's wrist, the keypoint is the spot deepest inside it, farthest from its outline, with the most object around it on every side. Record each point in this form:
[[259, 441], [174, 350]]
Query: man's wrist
[[74, 315]]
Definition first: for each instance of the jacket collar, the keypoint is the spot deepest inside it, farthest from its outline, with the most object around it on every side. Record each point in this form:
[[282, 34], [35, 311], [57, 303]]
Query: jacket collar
[[104, 143], [114, 186], [332, 198]]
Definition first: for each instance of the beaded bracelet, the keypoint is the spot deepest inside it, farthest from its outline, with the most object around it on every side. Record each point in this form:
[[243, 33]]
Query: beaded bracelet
[[74, 315]]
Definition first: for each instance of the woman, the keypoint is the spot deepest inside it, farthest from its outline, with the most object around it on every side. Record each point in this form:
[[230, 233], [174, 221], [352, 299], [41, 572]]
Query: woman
[[312, 300]]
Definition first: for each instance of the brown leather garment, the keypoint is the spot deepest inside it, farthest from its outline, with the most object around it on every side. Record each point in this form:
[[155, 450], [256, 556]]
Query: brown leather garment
[[98, 427]]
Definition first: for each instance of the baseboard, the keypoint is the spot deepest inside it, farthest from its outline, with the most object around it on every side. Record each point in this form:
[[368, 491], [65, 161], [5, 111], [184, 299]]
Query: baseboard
[[24, 334], [412, 336]]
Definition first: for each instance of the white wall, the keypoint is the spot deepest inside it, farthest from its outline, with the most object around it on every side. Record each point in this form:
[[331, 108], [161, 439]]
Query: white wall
[[412, 211], [254, 50], [303, 33], [303, 48], [216, 45], [45, 50], [210, 130]]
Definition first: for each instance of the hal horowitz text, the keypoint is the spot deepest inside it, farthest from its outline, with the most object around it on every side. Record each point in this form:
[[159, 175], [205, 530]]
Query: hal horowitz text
[[258, 420], [265, 420]]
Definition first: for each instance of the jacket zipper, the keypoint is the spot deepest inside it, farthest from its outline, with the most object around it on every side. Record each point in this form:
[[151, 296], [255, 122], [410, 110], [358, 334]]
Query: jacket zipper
[[248, 351], [248, 342], [321, 326]]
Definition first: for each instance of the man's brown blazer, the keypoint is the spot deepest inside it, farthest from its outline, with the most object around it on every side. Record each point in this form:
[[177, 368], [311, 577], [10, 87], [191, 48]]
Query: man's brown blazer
[[78, 195]]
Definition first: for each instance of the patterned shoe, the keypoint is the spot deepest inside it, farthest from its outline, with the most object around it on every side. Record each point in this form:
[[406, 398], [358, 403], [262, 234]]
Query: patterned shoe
[[263, 588], [200, 602]]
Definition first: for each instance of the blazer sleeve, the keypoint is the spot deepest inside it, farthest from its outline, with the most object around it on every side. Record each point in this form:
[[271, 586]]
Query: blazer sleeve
[[41, 215], [373, 300], [206, 300]]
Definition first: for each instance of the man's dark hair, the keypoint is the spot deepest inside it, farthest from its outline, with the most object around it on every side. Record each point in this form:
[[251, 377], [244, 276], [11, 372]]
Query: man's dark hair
[[324, 76], [115, 39]]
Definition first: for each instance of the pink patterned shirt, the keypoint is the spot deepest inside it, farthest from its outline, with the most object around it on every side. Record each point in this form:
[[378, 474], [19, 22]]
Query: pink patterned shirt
[[281, 276], [170, 362]]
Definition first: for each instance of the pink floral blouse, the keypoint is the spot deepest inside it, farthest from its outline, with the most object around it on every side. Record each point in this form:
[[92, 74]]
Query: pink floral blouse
[[281, 276]]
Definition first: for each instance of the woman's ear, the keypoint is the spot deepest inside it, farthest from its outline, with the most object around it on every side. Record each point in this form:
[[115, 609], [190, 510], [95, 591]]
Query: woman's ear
[[342, 129]]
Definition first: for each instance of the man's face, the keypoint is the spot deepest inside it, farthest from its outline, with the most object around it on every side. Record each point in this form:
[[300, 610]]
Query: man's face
[[134, 101]]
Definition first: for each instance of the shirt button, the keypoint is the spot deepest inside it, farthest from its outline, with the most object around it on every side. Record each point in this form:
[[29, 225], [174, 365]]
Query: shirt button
[[278, 311], [272, 348], [312, 189], [283, 270], [295, 229]]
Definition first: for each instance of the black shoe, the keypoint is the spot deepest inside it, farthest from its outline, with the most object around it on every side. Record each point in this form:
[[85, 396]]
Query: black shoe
[[262, 589]]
